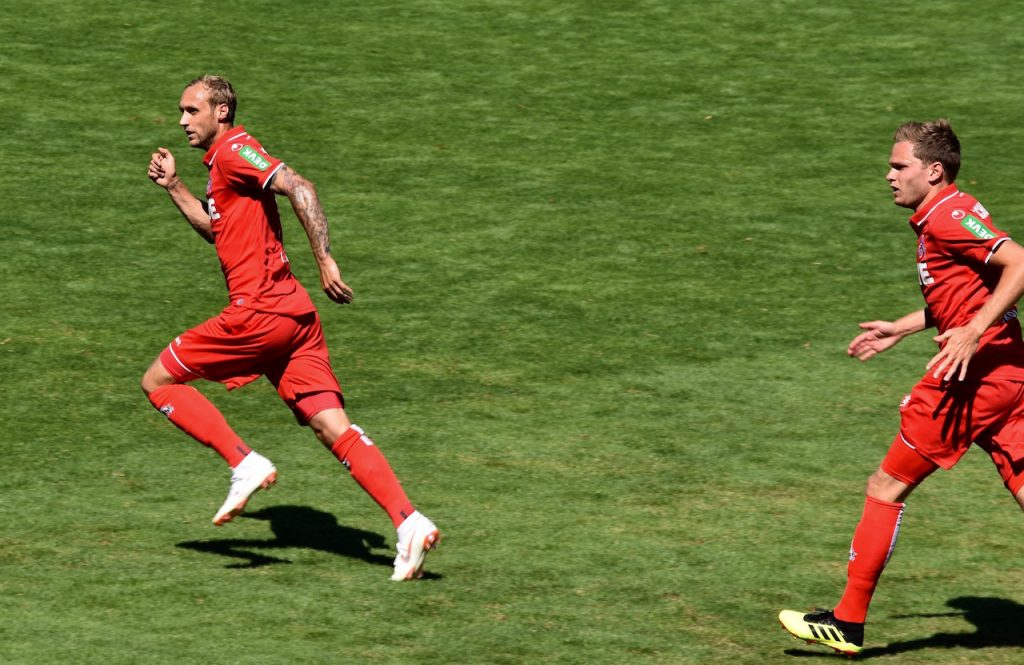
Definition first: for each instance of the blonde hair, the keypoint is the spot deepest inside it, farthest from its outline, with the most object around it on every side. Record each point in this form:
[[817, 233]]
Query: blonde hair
[[933, 141], [220, 92]]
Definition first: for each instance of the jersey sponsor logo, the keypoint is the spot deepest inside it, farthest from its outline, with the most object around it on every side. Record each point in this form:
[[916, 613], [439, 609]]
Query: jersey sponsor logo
[[923, 276], [211, 209], [980, 211], [235, 147], [958, 214], [253, 156], [975, 226]]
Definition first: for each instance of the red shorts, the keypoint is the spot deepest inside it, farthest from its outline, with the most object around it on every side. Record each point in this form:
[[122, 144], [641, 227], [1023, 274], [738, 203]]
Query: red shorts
[[941, 420], [239, 345]]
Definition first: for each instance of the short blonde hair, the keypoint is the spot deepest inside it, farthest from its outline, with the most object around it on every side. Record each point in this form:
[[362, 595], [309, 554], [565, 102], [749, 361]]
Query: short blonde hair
[[220, 91], [933, 141]]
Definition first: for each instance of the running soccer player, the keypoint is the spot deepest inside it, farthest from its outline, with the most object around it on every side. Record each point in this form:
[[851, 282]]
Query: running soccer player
[[270, 327], [971, 275]]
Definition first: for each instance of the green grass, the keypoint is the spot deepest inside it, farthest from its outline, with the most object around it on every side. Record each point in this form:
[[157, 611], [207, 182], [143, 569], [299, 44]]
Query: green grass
[[607, 258]]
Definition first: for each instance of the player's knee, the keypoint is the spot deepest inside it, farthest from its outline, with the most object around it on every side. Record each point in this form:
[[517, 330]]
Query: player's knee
[[884, 487], [1019, 496], [321, 432], [327, 432], [154, 377], [878, 484], [329, 424]]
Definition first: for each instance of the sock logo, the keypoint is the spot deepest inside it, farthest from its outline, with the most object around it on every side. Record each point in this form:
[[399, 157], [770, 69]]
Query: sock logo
[[367, 441], [167, 409]]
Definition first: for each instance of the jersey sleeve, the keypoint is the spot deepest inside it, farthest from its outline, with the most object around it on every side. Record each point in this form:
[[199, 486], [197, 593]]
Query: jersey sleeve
[[963, 233], [250, 167]]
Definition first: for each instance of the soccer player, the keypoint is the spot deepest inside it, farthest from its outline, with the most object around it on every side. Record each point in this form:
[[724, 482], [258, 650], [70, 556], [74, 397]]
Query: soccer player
[[270, 326], [971, 275]]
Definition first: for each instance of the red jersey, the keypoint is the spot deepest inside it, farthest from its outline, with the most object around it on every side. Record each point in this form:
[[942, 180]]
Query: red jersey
[[956, 239], [247, 227]]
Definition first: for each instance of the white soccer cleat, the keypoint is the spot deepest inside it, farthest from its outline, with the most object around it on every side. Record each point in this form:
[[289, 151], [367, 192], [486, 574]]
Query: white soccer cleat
[[416, 536], [253, 473]]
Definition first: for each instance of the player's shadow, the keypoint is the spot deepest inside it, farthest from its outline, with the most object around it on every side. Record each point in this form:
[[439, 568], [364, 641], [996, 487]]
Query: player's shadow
[[998, 622], [296, 527]]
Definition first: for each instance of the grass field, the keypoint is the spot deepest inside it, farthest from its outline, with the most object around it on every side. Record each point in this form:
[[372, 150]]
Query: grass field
[[607, 258]]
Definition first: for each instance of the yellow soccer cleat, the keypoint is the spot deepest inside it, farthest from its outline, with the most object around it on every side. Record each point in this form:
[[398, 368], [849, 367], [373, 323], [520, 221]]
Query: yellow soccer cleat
[[822, 627]]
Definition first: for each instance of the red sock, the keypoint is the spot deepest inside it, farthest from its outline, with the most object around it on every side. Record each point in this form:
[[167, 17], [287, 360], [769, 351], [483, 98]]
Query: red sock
[[873, 543], [371, 470], [193, 414]]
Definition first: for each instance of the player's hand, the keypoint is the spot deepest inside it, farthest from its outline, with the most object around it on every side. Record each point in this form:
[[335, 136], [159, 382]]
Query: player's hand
[[333, 286], [878, 336], [162, 168], [959, 346]]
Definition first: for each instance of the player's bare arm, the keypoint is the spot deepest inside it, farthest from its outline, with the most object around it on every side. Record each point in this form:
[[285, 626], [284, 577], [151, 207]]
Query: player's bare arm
[[879, 336], [163, 171], [306, 204], [960, 344]]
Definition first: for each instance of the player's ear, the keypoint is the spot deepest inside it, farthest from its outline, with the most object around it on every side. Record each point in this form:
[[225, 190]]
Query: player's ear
[[222, 112], [936, 172]]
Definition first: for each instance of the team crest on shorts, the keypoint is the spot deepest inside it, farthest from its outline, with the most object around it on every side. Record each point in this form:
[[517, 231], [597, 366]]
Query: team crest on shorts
[[167, 410]]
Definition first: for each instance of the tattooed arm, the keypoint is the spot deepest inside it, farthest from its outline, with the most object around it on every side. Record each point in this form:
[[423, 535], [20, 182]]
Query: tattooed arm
[[306, 204]]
